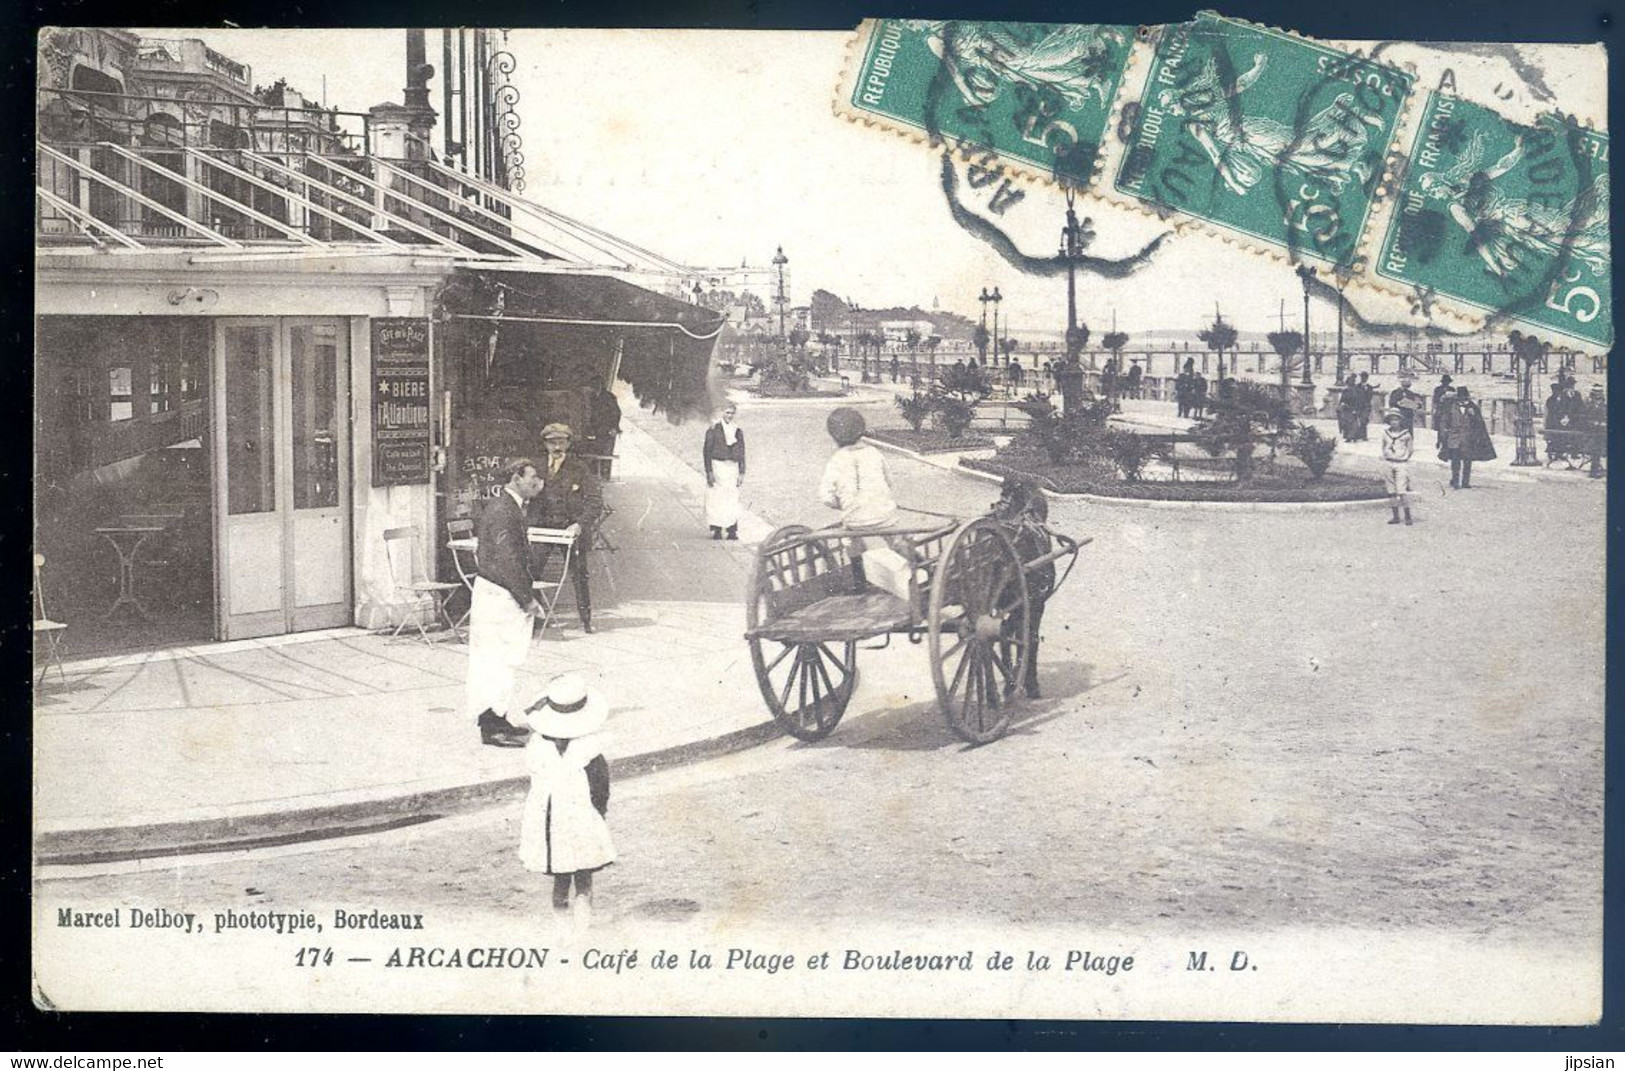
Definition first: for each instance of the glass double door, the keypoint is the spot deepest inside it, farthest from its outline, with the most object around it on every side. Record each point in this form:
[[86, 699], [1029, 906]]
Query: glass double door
[[282, 475]]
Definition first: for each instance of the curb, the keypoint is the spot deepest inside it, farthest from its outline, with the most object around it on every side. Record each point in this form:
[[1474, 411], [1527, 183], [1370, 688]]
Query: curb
[[209, 836], [397, 807], [1507, 474], [1145, 503]]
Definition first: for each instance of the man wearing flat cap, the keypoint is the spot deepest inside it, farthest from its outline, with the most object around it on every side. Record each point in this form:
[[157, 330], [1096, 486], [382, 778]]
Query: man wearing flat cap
[[569, 499]]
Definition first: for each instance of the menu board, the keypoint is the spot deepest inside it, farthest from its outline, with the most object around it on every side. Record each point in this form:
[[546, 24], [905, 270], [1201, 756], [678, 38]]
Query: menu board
[[400, 401]]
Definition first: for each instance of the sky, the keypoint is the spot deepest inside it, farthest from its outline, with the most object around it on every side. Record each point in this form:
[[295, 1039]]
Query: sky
[[716, 147]]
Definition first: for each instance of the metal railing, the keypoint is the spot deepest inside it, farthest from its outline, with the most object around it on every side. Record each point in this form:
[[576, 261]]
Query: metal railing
[[76, 117], [129, 170]]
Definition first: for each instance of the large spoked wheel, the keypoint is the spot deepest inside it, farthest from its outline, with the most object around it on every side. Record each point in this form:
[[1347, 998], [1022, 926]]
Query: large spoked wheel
[[978, 629], [807, 685]]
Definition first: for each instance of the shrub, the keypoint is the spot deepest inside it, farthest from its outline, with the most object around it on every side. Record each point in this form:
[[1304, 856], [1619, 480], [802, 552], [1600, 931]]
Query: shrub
[[1314, 450], [1254, 415], [1127, 451], [784, 374], [1094, 413], [916, 409], [1036, 406], [954, 414], [1065, 439]]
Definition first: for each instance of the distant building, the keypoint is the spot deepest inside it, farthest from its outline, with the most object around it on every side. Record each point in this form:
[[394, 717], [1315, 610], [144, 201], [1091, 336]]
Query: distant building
[[897, 330]]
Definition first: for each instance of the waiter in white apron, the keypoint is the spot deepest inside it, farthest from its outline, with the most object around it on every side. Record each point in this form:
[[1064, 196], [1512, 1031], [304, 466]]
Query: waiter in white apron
[[724, 473], [504, 605]]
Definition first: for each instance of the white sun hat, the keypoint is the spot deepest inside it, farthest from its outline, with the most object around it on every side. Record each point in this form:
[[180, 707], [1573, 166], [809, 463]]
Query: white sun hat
[[568, 710]]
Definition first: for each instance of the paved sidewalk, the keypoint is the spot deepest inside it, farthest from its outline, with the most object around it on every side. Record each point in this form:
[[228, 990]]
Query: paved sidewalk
[[235, 743]]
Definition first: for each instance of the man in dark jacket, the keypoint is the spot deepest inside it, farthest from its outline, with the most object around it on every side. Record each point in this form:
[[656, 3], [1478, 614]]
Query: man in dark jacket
[[504, 605], [1441, 395], [569, 499], [1464, 438], [1407, 401]]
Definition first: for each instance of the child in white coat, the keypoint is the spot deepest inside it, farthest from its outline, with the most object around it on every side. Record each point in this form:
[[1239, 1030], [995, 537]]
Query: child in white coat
[[564, 832]]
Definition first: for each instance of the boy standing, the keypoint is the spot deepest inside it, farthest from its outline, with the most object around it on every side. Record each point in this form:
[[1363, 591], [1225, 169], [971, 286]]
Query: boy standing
[[1398, 441]]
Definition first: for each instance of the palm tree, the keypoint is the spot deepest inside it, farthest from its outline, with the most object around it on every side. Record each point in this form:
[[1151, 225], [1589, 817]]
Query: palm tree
[[867, 340], [1287, 344], [1115, 341], [931, 345], [1219, 337]]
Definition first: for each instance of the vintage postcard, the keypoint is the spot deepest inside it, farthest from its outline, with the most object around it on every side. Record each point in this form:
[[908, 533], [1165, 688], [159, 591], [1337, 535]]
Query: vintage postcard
[[958, 520]]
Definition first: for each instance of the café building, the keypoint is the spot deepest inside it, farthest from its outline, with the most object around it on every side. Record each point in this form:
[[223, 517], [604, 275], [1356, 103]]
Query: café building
[[268, 332]]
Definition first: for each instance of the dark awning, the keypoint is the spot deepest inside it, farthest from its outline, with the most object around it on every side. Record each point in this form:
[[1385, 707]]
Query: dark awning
[[515, 333]]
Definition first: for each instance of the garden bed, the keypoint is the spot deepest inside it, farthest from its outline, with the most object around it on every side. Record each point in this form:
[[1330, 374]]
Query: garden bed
[[1287, 483], [929, 441], [781, 392]]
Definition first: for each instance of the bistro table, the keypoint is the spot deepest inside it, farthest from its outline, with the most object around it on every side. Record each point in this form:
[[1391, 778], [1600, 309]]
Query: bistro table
[[460, 545], [126, 538]]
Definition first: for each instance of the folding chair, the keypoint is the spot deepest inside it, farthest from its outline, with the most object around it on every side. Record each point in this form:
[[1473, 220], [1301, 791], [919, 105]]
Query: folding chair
[[46, 629], [438, 591], [465, 549], [548, 589]]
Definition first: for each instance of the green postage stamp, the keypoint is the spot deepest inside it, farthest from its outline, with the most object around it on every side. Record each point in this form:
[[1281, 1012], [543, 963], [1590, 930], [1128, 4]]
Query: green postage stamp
[[1037, 95], [1264, 134], [1509, 219]]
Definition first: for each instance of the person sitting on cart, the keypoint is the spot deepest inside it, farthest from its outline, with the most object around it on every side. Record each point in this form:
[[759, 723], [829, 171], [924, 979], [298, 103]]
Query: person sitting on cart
[[856, 484], [1024, 508]]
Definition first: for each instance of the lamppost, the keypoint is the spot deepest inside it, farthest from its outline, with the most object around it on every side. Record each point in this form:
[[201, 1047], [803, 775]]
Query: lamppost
[[1306, 275], [852, 324], [779, 261], [1074, 236], [1526, 351], [1342, 361], [995, 297], [987, 339]]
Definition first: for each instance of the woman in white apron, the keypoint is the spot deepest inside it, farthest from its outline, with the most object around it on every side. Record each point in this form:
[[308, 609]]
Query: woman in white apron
[[724, 473]]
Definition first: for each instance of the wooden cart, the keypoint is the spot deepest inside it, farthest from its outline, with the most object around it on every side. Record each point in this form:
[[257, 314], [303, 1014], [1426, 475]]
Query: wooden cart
[[969, 597]]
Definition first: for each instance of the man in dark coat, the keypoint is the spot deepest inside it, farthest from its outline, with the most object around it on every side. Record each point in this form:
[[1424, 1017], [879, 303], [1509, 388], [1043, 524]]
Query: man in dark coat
[[1440, 394], [1464, 439], [1363, 403], [604, 424], [504, 605], [569, 499], [1185, 387]]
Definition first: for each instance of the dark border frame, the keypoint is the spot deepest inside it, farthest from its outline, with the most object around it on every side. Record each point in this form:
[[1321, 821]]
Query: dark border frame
[[1505, 20]]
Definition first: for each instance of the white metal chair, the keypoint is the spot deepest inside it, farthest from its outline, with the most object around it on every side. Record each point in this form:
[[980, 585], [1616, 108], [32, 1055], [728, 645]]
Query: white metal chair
[[47, 633], [437, 591], [465, 549], [548, 588]]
